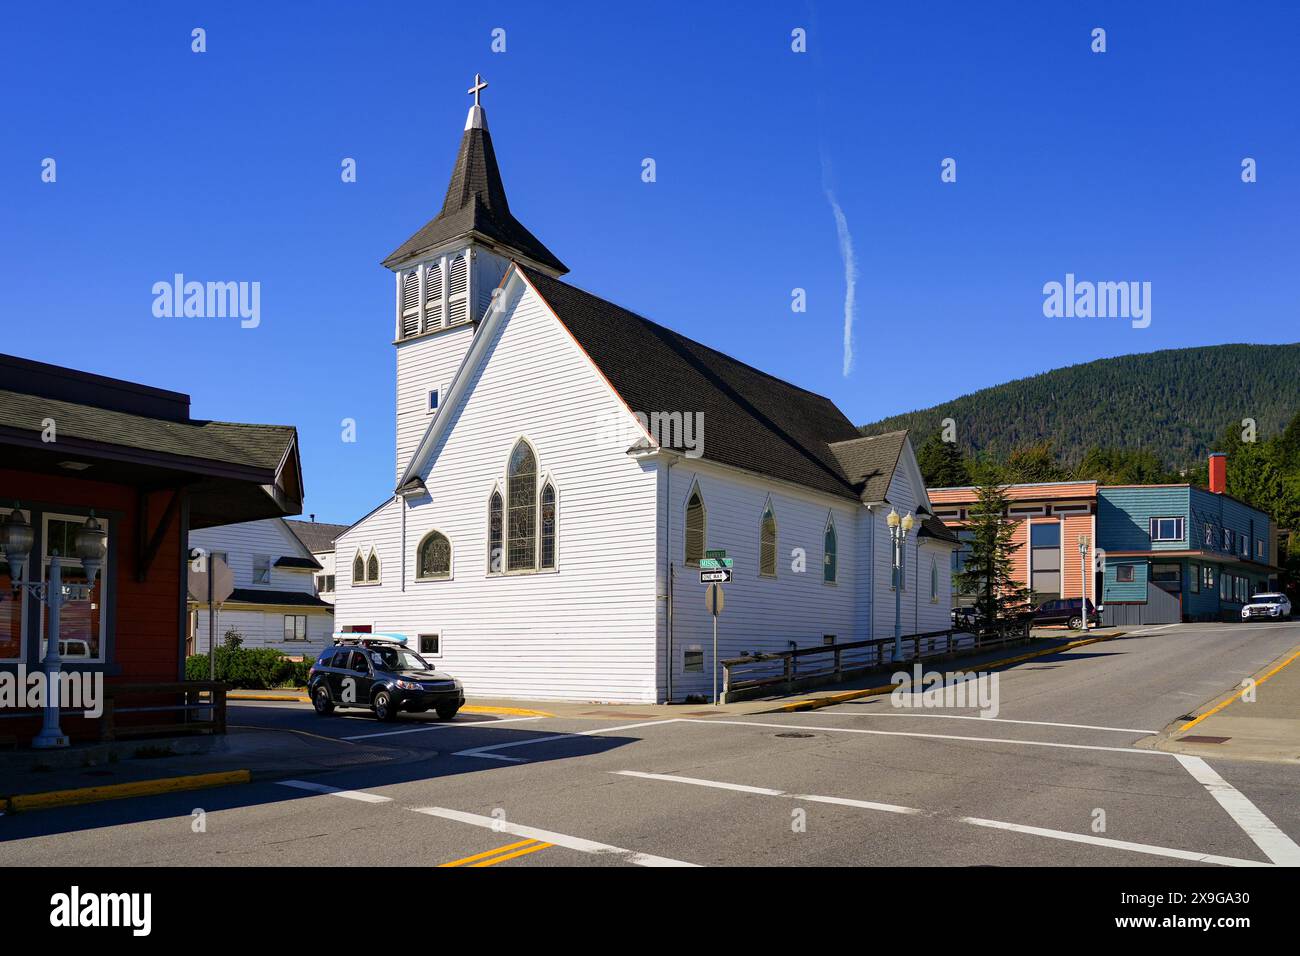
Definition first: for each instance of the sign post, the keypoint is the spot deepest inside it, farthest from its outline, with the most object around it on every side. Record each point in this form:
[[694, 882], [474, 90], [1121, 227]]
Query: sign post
[[214, 583], [713, 600]]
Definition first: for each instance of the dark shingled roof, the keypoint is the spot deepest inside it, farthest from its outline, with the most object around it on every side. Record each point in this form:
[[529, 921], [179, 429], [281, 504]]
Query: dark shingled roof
[[476, 205], [261, 446], [277, 598], [316, 536], [934, 528], [298, 564], [869, 462], [751, 420]]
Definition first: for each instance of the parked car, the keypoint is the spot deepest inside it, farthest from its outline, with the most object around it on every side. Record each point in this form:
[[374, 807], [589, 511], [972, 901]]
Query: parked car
[[1270, 604], [1067, 611], [967, 618], [380, 673]]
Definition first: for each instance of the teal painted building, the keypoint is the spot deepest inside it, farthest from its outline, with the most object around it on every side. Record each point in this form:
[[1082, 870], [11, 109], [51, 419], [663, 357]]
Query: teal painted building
[[1195, 554]]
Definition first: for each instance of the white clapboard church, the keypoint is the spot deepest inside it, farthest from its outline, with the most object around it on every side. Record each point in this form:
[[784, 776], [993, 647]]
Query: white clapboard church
[[563, 464]]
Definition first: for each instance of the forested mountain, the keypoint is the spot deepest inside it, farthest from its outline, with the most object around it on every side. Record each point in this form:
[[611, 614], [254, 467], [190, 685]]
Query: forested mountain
[[1172, 404]]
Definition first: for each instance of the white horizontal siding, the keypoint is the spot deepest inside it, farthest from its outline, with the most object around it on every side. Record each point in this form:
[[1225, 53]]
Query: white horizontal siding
[[269, 537], [760, 613], [424, 364], [585, 631], [265, 628]]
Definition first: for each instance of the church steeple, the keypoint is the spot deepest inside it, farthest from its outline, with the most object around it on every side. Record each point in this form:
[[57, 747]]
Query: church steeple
[[475, 207]]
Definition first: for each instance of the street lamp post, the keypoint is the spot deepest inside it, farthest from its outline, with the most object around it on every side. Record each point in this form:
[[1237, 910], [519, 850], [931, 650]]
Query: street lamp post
[[899, 528], [16, 539], [1083, 579]]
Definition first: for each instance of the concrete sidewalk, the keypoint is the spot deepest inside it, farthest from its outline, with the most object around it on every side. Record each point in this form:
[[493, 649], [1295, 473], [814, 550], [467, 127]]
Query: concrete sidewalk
[[1267, 728]]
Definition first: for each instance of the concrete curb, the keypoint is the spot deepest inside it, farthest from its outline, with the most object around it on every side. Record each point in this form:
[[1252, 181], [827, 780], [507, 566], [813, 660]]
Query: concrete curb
[[467, 709], [119, 791], [828, 700]]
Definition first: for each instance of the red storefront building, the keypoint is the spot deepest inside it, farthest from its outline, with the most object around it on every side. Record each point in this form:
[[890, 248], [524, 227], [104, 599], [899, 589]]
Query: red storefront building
[[73, 443]]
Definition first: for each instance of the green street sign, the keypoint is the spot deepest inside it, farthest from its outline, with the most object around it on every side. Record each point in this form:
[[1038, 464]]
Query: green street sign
[[709, 564], [716, 554]]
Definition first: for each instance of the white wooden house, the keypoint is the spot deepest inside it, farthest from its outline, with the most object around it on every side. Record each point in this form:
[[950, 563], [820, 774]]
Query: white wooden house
[[563, 463], [274, 603], [318, 538]]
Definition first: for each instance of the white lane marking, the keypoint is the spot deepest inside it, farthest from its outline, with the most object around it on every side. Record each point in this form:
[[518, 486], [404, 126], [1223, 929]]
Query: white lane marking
[[446, 726], [1150, 630], [1113, 844], [996, 720], [1277, 846], [489, 751], [717, 785], [909, 733], [549, 836], [335, 791], [767, 791], [977, 821]]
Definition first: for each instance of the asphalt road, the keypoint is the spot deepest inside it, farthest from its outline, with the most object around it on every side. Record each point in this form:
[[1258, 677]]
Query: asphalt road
[[1056, 779]]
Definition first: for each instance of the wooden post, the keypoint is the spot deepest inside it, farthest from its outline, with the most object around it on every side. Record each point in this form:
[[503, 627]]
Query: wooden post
[[219, 708], [106, 719]]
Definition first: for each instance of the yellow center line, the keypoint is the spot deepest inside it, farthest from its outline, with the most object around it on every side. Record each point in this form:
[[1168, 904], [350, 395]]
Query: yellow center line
[[1214, 710], [510, 856], [479, 856]]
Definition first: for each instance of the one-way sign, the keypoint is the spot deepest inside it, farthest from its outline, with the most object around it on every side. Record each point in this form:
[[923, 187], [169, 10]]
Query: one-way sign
[[721, 576]]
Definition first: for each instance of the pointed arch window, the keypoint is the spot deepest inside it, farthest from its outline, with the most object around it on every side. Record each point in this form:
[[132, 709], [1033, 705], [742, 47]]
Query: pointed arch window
[[767, 542], [365, 568], [521, 513], [433, 557], [496, 525], [548, 526], [934, 581], [830, 554], [696, 521]]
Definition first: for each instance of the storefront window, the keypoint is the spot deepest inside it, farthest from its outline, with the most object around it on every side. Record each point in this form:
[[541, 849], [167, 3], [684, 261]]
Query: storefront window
[[11, 611], [81, 622]]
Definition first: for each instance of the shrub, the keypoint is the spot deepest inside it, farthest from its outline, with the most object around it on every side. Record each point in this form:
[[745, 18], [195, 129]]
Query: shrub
[[257, 668]]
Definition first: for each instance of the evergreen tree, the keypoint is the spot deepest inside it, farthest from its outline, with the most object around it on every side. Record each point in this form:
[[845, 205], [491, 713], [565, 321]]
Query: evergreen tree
[[988, 573], [1033, 464], [942, 464]]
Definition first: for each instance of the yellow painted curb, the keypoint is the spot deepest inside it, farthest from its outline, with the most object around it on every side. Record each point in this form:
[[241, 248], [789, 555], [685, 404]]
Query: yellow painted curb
[[285, 696], [1237, 696], [118, 791], [814, 703], [514, 711]]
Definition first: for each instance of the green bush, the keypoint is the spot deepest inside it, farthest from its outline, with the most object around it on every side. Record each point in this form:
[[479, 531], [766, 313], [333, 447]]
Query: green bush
[[252, 668]]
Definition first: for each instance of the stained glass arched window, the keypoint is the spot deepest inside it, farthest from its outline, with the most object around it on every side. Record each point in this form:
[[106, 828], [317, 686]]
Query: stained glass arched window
[[521, 509]]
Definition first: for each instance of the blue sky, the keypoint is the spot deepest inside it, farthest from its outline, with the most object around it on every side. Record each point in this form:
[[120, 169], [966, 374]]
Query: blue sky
[[1122, 166]]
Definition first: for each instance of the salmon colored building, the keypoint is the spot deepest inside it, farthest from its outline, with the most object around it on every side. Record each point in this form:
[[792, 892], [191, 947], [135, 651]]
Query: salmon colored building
[[1050, 517]]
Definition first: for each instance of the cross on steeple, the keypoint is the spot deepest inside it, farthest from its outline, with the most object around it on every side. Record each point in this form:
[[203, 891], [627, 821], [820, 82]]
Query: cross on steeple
[[479, 84]]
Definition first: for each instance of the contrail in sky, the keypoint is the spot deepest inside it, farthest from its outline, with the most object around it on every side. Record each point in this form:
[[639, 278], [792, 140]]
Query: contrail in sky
[[850, 265]]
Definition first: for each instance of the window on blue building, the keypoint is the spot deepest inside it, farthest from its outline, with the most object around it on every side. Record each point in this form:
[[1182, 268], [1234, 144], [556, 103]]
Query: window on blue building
[[1166, 529]]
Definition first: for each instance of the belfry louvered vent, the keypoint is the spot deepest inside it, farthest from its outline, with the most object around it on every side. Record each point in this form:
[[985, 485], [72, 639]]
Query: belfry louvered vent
[[411, 304], [433, 283], [456, 282], [457, 290]]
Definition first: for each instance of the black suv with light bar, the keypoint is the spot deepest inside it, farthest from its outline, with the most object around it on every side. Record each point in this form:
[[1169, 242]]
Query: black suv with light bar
[[380, 673]]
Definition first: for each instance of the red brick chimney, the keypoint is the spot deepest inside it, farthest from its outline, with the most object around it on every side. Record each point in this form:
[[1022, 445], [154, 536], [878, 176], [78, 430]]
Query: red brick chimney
[[1218, 472]]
